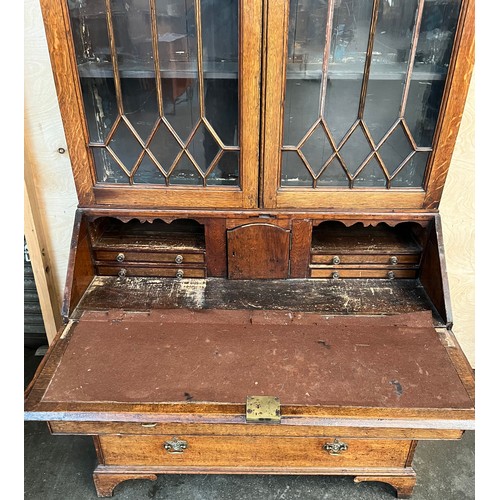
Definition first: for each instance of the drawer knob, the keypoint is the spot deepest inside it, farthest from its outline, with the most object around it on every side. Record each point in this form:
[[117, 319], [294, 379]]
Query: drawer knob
[[120, 257], [336, 259], [122, 273], [335, 448], [175, 446], [335, 276], [179, 274], [393, 260], [179, 259], [391, 275]]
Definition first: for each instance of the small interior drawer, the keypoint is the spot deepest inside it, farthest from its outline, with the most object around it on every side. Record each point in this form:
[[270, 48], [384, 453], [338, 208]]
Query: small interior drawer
[[263, 451], [340, 272], [386, 259], [154, 271], [125, 255]]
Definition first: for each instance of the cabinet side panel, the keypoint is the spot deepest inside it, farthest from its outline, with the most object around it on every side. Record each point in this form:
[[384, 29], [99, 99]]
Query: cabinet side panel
[[80, 266]]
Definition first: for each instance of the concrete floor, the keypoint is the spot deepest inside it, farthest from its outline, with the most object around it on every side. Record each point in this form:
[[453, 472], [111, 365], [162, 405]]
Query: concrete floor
[[60, 468]]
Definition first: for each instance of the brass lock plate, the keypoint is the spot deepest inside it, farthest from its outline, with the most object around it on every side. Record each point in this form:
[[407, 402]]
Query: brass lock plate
[[263, 409]]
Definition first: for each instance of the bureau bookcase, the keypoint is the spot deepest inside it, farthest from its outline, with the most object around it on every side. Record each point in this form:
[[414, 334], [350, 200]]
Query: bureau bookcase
[[257, 281]]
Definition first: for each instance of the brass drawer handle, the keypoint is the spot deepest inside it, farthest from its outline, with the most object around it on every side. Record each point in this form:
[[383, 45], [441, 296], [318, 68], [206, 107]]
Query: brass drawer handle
[[122, 273], [179, 259], [120, 257], [335, 448], [336, 259], [175, 446], [393, 260]]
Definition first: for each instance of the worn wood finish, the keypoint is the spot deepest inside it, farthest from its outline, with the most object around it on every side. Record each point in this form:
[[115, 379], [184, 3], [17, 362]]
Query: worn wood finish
[[345, 273], [258, 251], [351, 259], [433, 273], [341, 297], [81, 270], [283, 430], [404, 484], [105, 481], [115, 472], [61, 50], [300, 248], [457, 85], [252, 451], [216, 248]]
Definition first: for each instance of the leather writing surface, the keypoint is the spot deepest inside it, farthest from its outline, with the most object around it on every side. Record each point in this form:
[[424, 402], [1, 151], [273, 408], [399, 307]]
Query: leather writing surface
[[223, 356]]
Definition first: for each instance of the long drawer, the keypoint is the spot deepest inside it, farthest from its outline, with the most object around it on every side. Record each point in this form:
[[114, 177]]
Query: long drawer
[[366, 258], [341, 272], [153, 271], [164, 257], [255, 451]]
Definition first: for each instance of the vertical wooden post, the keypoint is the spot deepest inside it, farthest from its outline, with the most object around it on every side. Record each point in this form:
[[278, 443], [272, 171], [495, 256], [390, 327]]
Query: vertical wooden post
[[40, 261]]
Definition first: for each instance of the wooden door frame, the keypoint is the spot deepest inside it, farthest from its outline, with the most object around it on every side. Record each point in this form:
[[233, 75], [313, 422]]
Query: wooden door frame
[[456, 87], [90, 193]]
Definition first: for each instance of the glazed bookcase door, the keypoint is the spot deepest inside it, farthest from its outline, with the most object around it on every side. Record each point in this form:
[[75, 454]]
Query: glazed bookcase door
[[358, 93], [167, 93]]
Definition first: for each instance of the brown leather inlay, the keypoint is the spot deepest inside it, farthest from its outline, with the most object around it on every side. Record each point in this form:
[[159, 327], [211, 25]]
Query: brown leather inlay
[[223, 356]]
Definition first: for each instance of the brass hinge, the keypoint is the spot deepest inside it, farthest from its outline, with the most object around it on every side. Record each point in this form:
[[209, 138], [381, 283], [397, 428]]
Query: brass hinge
[[263, 409]]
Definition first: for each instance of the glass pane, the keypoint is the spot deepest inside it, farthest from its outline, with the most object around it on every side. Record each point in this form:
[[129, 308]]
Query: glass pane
[[349, 41], [332, 91], [226, 171], [107, 169], [333, 176], [432, 58], [412, 174], [372, 175], [317, 149], [154, 73], [148, 173], [293, 170], [391, 51]]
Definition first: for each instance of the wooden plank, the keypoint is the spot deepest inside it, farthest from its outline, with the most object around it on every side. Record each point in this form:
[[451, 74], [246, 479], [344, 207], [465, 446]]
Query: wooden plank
[[284, 429], [40, 261]]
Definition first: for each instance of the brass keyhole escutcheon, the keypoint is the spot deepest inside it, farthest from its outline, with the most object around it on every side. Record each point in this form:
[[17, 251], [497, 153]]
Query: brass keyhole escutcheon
[[335, 448], [175, 446]]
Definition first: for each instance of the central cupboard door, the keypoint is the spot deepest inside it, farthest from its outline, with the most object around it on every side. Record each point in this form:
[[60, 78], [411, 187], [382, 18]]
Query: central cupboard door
[[354, 91], [171, 99]]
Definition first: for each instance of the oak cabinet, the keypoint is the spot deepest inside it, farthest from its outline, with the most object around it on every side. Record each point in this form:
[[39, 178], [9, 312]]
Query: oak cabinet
[[258, 187]]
